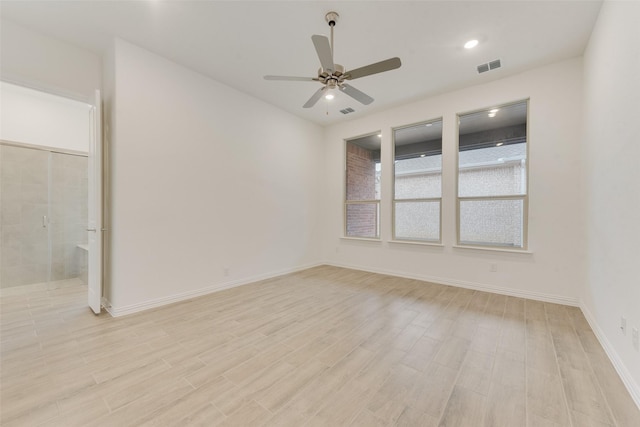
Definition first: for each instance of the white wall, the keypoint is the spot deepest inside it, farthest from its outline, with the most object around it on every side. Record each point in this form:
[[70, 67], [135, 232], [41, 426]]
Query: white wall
[[611, 145], [555, 268], [35, 60], [37, 118], [204, 178]]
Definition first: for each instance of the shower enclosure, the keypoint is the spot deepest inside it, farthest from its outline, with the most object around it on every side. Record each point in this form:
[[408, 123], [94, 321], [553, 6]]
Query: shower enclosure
[[43, 218]]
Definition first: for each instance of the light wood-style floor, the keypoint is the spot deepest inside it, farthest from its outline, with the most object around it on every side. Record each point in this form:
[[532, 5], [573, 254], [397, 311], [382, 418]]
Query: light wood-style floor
[[323, 347]]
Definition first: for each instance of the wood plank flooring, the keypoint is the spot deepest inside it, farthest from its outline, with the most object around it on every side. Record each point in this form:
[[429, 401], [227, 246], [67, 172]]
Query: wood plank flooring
[[323, 347]]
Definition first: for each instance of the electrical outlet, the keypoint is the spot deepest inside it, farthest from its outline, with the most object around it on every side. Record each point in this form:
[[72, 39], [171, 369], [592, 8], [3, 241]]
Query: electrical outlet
[[635, 339], [623, 325], [493, 267]]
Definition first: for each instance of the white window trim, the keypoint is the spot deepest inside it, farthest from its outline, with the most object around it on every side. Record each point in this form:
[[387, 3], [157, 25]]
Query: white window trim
[[431, 171], [353, 202], [524, 197]]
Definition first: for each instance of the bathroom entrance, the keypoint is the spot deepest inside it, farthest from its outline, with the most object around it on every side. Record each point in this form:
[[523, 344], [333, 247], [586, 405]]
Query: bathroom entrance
[[50, 193]]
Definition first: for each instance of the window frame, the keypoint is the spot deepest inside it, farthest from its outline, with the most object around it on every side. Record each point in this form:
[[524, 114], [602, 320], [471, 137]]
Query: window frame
[[347, 203], [524, 197], [395, 201]]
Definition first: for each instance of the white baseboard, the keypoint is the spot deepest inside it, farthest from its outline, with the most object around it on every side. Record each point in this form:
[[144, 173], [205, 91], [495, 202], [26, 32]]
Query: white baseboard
[[623, 372], [632, 386], [158, 302], [538, 296]]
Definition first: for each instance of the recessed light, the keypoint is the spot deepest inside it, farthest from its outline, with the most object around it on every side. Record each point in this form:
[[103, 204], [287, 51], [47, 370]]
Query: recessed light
[[495, 110], [379, 135], [328, 96], [471, 44]]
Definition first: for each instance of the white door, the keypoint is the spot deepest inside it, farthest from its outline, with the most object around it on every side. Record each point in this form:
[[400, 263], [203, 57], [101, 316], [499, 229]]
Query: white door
[[94, 228]]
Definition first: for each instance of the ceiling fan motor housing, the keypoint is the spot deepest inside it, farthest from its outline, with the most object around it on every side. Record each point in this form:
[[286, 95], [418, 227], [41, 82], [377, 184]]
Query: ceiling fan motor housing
[[334, 79]]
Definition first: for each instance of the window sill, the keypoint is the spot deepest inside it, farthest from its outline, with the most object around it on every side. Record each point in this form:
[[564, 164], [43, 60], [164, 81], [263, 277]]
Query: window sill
[[364, 239], [494, 249], [416, 242]]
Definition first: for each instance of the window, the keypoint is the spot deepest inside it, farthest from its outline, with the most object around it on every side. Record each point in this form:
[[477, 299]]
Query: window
[[492, 177], [417, 182], [362, 204]]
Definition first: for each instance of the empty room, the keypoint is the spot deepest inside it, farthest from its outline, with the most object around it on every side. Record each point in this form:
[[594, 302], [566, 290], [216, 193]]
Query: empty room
[[320, 213]]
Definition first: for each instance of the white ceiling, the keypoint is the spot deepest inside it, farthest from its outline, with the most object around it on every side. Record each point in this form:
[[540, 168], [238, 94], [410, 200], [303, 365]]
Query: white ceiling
[[238, 42]]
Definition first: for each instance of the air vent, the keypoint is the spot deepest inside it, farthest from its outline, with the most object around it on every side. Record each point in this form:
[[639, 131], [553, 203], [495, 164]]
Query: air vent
[[483, 68], [347, 110]]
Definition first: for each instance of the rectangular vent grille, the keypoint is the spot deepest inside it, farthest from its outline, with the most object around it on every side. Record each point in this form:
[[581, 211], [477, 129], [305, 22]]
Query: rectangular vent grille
[[483, 68], [347, 110]]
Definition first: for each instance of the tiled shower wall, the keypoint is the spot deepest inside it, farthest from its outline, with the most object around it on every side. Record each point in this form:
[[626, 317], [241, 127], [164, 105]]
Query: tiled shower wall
[[35, 184]]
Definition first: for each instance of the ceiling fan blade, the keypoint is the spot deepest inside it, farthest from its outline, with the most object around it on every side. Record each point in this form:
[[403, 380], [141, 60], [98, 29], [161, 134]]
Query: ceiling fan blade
[[314, 98], [291, 79], [323, 48], [378, 67], [359, 96]]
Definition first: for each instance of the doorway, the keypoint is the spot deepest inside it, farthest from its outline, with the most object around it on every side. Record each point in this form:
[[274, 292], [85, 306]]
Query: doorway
[[51, 196]]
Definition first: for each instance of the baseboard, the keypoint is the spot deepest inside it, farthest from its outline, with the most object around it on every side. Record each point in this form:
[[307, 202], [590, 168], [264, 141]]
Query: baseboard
[[623, 372], [632, 386], [159, 302], [538, 296]]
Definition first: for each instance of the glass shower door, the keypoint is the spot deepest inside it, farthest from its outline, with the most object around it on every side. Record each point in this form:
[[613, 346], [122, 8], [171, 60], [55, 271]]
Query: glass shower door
[[68, 219], [43, 221]]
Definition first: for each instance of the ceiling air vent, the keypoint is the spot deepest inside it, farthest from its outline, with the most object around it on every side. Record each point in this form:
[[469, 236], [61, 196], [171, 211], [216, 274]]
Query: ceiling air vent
[[483, 68], [347, 110]]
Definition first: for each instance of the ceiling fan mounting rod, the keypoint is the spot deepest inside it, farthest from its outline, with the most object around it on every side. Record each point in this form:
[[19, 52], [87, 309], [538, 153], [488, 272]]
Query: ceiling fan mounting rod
[[332, 19]]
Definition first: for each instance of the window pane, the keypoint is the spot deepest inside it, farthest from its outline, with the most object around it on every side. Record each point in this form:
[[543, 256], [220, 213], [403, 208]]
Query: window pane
[[363, 168], [493, 152], [362, 220], [492, 222], [495, 171], [418, 161], [418, 178], [417, 221]]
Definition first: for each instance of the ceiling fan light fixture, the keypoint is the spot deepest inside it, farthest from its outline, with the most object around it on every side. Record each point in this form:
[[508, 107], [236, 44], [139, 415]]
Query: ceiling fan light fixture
[[471, 44], [329, 96]]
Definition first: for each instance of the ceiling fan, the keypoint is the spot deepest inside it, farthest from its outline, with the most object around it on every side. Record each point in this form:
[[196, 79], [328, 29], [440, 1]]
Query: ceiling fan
[[333, 75]]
